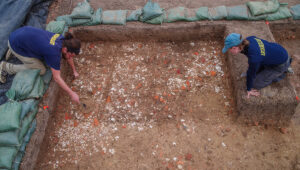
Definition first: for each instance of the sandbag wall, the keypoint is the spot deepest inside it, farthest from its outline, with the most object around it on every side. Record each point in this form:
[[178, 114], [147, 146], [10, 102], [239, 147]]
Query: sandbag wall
[[84, 15], [17, 122]]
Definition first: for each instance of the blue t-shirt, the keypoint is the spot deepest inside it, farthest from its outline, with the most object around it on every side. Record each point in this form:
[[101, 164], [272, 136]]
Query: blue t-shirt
[[262, 53], [37, 43]]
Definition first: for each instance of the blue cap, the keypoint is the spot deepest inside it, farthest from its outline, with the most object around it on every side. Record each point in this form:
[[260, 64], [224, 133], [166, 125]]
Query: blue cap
[[232, 40]]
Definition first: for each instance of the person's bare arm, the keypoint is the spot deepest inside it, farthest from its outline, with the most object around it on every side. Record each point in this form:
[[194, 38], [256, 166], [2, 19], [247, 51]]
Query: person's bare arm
[[71, 63], [64, 86]]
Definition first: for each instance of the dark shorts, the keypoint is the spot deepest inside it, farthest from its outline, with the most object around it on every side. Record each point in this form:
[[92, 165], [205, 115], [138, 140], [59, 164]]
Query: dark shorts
[[267, 75]]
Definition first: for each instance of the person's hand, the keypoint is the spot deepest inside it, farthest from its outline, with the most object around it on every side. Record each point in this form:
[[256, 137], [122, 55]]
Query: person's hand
[[76, 74], [74, 96], [253, 93]]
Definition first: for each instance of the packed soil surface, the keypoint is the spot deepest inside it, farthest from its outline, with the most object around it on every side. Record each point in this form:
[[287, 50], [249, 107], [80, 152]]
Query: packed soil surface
[[291, 43], [158, 105]]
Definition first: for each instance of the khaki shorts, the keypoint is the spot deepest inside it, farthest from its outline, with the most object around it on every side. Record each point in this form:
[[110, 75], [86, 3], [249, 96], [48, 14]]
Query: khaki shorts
[[28, 63]]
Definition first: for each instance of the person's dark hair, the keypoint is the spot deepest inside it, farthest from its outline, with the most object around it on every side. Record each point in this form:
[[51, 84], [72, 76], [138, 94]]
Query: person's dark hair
[[72, 44], [244, 43]]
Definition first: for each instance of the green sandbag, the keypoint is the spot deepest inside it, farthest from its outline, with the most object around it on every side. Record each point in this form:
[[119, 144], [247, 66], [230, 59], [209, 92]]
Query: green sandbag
[[239, 12], [28, 106], [256, 18], [7, 155], [26, 122], [21, 152], [10, 116], [56, 26], [72, 22], [47, 76], [66, 29], [23, 84], [116, 17], [190, 14], [175, 14], [202, 13], [134, 15], [158, 20], [38, 89], [196, 14], [96, 18], [151, 10], [79, 22], [10, 138], [295, 10], [66, 18], [82, 10], [28, 135], [258, 8], [13, 138], [282, 13], [217, 13]]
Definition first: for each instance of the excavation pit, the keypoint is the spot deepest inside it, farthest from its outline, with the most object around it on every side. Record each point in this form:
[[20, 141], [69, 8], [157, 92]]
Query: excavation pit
[[148, 89]]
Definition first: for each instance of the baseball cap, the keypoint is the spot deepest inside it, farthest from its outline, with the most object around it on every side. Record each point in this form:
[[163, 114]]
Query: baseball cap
[[232, 40]]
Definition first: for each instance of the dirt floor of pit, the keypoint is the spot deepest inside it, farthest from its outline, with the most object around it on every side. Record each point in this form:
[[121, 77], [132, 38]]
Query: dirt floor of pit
[[292, 45], [187, 139], [158, 105]]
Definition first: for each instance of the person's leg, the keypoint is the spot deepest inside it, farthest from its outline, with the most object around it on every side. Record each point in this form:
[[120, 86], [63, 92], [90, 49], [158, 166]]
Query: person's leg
[[28, 63], [282, 76], [3, 73], [8, 54], [266, 77]]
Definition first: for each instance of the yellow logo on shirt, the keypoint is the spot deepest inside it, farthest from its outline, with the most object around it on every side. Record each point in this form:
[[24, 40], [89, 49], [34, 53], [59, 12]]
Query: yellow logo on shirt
[[261, 46], [53, 38]]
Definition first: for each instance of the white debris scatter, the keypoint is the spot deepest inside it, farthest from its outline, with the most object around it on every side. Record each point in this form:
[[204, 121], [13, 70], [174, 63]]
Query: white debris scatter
[[223, 144], [112, 151], [217, 89], [133, 89]]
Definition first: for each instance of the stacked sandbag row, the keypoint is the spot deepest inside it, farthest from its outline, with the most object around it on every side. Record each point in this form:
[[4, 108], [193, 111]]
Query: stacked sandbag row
[[17, 122], [84, 15]]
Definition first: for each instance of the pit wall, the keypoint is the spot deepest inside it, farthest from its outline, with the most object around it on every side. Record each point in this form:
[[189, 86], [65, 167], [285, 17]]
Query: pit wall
[[144, 32], [263, 108]]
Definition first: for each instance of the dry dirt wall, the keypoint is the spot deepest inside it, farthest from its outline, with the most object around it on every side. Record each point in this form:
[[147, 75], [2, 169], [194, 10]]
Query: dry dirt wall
[[143, 32]]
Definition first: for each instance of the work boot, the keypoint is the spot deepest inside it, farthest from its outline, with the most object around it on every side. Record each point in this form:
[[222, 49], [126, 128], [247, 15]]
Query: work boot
[[3, 73]]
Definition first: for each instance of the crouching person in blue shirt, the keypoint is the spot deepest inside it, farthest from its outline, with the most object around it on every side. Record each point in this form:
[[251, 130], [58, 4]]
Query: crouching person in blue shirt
[[32, 46], [268, 62]]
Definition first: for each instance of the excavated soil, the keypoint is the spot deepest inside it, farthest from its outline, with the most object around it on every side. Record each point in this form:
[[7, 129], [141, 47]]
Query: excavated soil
[[158, 105], [161, 105]]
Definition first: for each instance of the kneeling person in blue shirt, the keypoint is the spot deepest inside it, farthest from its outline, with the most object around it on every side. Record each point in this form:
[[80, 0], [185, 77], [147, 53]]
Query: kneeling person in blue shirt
[[32, 46], [268, 62]]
